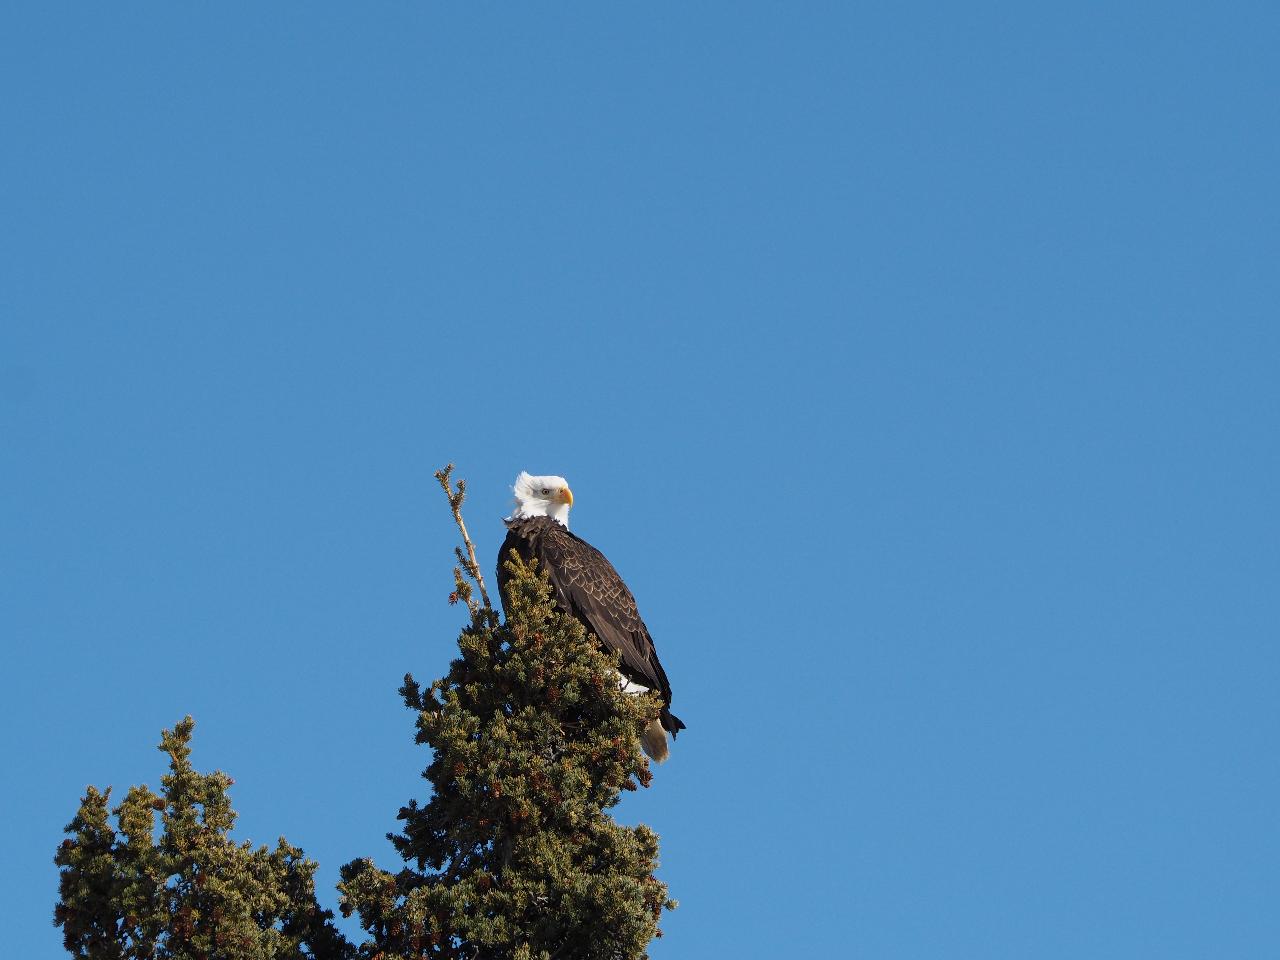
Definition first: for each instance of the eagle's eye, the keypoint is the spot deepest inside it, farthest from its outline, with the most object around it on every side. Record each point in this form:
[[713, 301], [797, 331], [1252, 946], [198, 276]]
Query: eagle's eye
[[546, 490]]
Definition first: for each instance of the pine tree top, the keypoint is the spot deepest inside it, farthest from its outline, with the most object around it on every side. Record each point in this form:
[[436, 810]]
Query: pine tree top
[[168, 882], [514, 854]]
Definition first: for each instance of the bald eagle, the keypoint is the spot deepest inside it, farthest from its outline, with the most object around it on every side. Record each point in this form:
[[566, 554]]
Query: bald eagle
[[585, 585]]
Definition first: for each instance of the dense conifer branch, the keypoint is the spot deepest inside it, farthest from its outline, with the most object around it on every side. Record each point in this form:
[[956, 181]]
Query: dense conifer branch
[[170, 883]]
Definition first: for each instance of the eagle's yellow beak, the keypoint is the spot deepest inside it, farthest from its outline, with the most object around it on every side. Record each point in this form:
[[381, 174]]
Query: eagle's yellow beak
[[566, 496]]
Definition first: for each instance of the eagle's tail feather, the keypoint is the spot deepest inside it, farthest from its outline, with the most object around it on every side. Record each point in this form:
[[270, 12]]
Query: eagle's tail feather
[[654, 741], [671, 722]]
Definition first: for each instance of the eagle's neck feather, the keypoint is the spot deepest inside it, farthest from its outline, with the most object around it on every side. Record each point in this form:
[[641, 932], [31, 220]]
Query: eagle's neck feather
[[527, 509]]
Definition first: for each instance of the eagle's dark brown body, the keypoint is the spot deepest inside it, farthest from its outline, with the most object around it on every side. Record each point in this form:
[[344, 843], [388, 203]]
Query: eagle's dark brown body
[[587, 586]]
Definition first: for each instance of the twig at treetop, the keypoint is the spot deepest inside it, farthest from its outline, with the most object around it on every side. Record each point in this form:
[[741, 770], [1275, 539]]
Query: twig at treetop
[[469, 561]]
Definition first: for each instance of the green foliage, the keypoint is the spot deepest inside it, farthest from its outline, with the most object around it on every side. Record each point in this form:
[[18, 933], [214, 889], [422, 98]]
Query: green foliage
[[514, 855], [181, 888]]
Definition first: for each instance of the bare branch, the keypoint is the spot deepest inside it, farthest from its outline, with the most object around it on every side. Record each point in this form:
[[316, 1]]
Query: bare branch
[[468, 562]]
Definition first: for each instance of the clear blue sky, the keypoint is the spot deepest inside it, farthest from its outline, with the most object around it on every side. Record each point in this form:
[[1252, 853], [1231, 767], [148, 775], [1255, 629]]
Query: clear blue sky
[[916, 364]]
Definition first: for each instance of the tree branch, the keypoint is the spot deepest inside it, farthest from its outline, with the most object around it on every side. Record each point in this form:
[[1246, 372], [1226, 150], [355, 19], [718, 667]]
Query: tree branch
[[467, 561]]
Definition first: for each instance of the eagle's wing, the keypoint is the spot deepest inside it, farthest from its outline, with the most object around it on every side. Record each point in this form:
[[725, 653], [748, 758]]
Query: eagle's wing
[[589, 587]]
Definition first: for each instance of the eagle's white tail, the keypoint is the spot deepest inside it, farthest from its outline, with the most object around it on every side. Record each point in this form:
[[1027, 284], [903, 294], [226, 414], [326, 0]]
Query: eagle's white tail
[[654, 741]]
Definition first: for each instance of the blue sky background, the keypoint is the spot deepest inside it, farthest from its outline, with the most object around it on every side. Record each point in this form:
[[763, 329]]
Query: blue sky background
[[916, 364]]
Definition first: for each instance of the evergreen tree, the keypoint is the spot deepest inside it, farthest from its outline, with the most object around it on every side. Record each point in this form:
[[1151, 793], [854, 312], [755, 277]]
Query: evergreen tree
[[513, 857], [184, 891]]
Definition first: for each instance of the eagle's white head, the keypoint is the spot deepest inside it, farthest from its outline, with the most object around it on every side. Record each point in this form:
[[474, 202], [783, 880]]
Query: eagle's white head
[[542, 497]]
